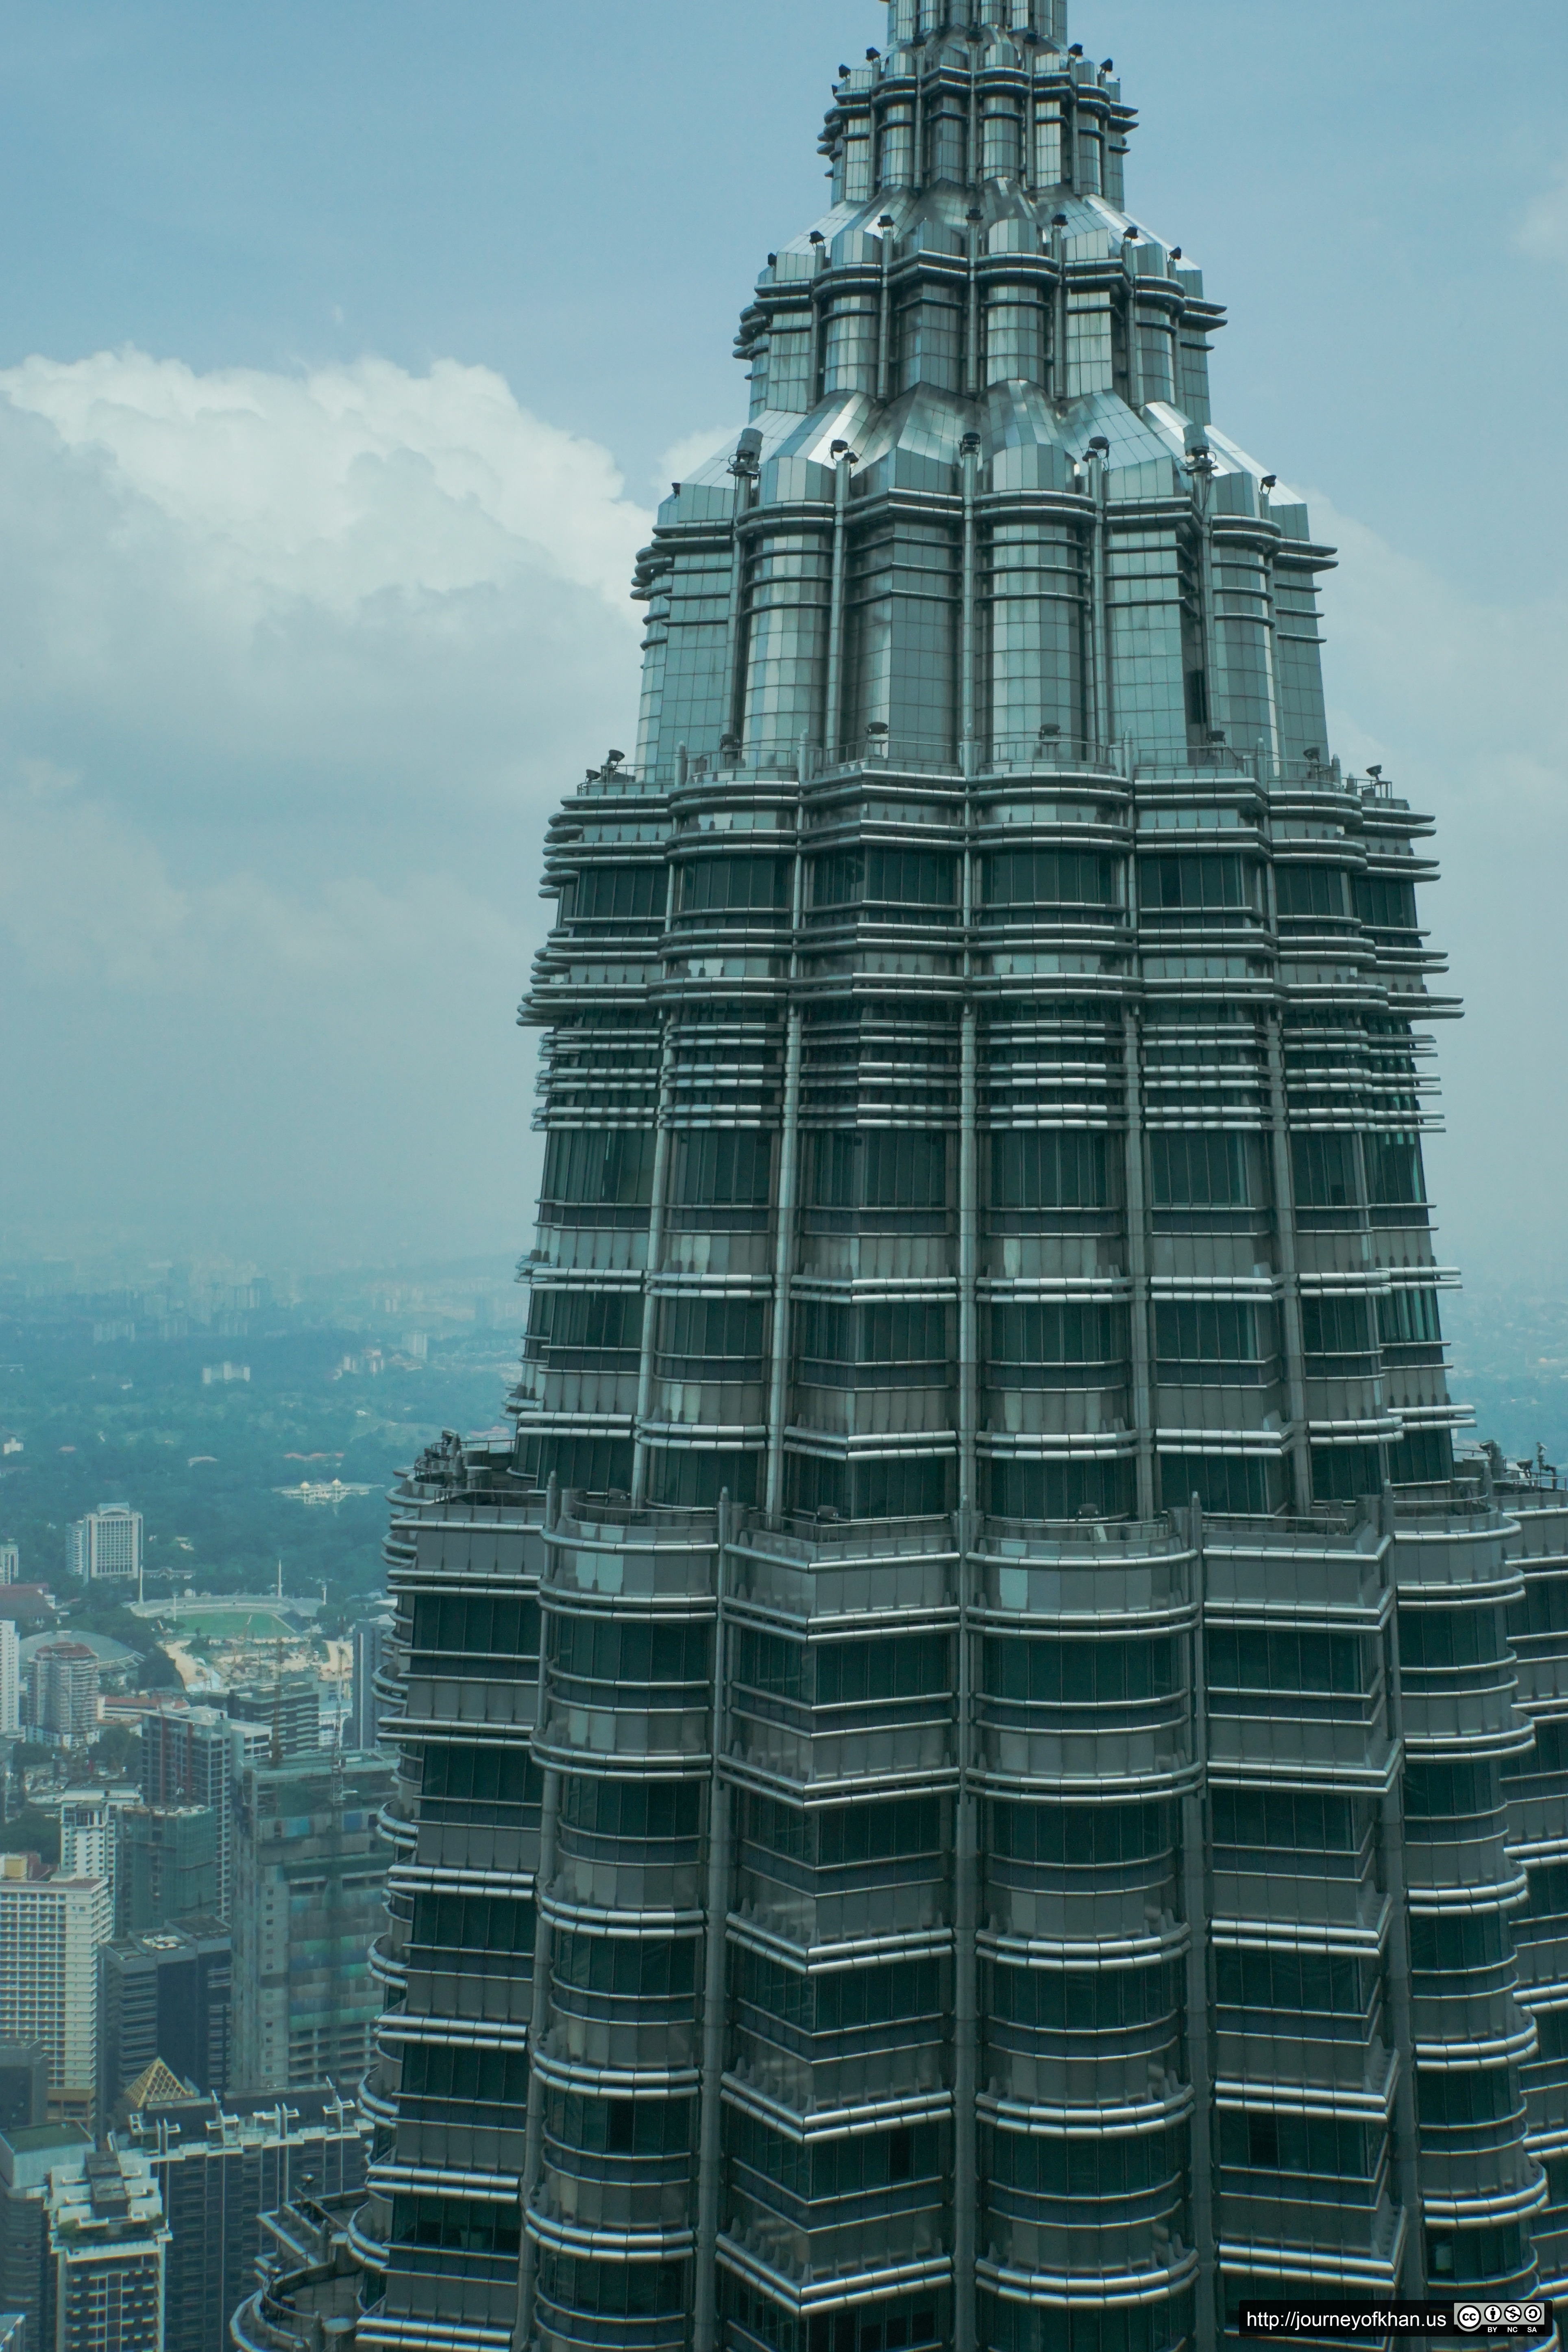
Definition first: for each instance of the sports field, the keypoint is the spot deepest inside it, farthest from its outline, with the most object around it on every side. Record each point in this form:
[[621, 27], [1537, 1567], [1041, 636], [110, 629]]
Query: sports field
[[219, 1625]]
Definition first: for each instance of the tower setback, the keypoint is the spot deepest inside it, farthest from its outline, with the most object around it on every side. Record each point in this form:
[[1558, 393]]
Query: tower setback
[[978, 1776]]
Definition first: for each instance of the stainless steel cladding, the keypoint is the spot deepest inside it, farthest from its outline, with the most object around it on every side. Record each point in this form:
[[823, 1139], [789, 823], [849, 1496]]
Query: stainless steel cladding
[[978, 1773]]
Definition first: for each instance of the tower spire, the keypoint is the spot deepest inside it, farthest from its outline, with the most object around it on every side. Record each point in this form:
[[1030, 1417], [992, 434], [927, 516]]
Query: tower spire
[[916, 20]]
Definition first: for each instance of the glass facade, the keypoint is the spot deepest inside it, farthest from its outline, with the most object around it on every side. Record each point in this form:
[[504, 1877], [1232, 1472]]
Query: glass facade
[[978, 1776]]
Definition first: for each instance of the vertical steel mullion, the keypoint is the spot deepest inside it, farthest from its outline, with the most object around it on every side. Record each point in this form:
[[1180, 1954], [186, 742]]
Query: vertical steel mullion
[[966, 1842], [970, 462], [833, 695], [704, 2325], [539, 2007], [1391, 1825], [655, 1245], [734, 637], [1134, 354], [1289, 1274], [1197, 1905], [1138, 1250], [1104, 712], [783, 1258]]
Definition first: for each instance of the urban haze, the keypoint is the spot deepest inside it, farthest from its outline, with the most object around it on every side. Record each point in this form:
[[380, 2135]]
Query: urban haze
[[860, 1649]]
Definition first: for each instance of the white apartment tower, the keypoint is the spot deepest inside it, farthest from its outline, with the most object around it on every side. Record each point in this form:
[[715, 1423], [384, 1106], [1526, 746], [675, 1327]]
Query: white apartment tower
[[106, 1545], [50, 1931], [10, 1678], [108, 2244], [87, 1838]]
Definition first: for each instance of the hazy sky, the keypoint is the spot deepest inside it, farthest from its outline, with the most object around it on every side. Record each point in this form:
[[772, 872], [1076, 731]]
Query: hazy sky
[[343, 353]]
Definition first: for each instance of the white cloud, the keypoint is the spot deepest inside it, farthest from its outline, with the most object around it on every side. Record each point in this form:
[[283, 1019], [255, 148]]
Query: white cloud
[[340, 485], [1460, 701], [296, 667], [239, 589], [1544, 231]]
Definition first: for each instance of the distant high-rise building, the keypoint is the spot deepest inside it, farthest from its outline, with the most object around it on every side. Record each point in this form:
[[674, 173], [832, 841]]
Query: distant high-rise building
[[369, 1637], [10, 1563], [24, 2087], [28, 2155], [167, 1996], [10, 1679], [108, 2239], [88, 1837], [219, 2166], [192, 1756], [13, 2331], [106, 1545], [308, 1875], [51, 1930], [62, 1677], [168, 1866], [288, 1708]]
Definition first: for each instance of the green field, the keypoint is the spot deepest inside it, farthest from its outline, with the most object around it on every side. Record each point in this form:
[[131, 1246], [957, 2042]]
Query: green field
[[227, 1625]]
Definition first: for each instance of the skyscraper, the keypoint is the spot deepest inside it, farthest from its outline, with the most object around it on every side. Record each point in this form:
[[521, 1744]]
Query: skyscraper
[[88, 1837], [193, 1755], [1037, 1823], [107, 2244], [218, 2168], [165, 1996], [309, 1875], [10, 1679], [63, 1675], [50, 1933], [288, 1709], [30, 2155], [24, 2086], [369, 1637], [168, 1866]]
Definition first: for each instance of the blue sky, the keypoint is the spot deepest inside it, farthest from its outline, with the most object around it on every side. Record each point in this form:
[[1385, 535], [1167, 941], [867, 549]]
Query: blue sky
[[342, 353]]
